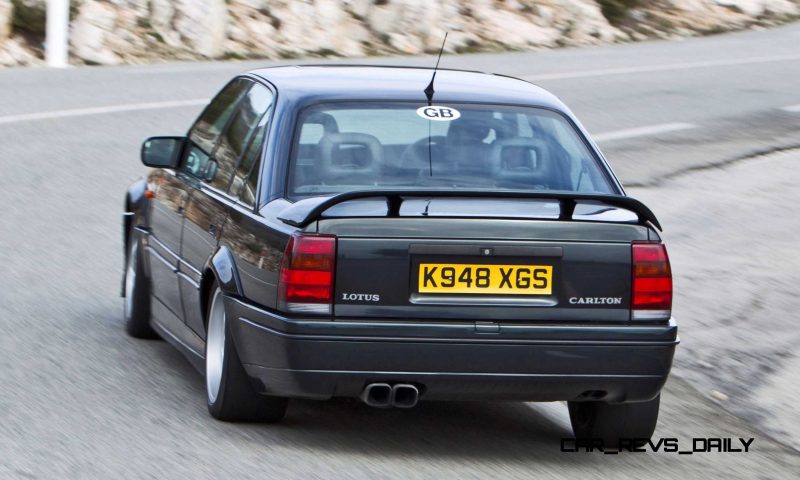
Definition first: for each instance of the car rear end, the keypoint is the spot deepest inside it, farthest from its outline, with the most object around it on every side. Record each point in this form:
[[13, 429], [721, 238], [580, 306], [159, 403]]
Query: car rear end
[[494, 258]]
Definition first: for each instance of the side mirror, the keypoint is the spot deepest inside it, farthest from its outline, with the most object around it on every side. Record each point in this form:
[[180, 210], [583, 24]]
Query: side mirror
[[162, 152]]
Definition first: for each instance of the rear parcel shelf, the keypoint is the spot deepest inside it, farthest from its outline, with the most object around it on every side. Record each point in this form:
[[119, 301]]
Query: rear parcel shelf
[[304, 212]]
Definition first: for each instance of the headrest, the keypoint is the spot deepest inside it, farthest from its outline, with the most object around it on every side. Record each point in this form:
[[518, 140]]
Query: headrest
[[327, 121], [349, 153], [521, 160]]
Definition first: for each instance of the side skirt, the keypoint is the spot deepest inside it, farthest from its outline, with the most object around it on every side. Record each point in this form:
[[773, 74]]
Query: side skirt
[[178, 334]]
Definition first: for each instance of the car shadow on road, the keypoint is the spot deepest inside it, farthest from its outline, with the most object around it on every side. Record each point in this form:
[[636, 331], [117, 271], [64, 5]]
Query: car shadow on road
[[470, 430], [451, 429]]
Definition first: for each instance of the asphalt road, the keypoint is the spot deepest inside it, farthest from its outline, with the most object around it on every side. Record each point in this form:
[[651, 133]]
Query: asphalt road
[[81, 400]]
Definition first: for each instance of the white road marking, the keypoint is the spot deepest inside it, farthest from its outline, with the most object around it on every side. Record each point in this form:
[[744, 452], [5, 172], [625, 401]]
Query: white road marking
[[78, 112], [659, 68], [792, 108], [81, 112], [642, 131]]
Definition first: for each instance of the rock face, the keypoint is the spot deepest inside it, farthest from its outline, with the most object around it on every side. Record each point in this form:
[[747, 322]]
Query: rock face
[[117, 31], [201, 25], [92, 33], [670, 18], [756, 8]]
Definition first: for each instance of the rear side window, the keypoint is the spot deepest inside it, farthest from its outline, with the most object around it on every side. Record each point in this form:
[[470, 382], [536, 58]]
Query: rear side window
[[343, 147], [245, 180], [206, 130], [205, 133], [240, 129], [245, 183]]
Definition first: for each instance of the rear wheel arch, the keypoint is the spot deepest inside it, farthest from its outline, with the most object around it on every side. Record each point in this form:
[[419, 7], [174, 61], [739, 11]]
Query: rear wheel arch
[[206, 289], [220, 268], [223, 264]]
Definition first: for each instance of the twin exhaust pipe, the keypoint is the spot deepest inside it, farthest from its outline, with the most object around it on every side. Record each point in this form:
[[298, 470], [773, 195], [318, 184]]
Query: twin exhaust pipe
[[383, 395]]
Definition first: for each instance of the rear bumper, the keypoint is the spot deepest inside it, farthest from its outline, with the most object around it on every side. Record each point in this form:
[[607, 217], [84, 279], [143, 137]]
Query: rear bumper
[[452, 361]]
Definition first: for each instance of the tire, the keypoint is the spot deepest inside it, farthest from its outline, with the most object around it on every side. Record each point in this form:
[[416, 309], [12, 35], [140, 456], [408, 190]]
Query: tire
[[610, 422], [136, 306], [230, 395]]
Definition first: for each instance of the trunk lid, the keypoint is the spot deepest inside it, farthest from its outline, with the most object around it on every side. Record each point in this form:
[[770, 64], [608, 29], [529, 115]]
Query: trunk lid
[[483, 261]]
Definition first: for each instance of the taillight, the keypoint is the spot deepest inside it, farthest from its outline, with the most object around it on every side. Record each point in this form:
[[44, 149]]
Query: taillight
[[307, 272], [652, 282]]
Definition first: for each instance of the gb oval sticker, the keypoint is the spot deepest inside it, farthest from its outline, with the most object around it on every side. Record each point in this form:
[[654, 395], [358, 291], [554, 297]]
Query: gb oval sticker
[[438, 113]]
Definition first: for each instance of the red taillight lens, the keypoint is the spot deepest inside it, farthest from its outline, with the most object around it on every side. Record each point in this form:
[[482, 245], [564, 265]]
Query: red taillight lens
[[307, 272], [652, 282]]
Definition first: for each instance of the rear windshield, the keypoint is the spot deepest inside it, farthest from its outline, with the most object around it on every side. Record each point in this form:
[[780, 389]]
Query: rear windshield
[[393, 146]]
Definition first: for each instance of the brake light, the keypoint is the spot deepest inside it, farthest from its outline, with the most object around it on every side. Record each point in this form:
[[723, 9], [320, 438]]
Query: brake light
[[652, 282], [307, 272]]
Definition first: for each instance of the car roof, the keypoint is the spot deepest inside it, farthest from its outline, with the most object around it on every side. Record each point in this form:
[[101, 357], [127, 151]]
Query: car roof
[[309, 83]]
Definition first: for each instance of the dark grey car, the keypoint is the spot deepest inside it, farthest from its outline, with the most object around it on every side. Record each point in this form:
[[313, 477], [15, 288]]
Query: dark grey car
[[331, 231]]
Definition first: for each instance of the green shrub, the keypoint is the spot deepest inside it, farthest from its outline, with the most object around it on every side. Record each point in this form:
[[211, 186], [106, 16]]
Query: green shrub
[[29, 17], [616, 11]]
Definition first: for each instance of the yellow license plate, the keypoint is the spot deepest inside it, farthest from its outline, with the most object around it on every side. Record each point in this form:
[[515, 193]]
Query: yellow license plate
[[488, 279]]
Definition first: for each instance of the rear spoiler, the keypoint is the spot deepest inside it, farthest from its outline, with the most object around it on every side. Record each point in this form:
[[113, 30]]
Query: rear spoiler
[[303, 212]]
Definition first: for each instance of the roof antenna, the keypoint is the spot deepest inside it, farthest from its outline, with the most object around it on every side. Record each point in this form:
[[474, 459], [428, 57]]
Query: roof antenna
[[429, 88], [429, 93]]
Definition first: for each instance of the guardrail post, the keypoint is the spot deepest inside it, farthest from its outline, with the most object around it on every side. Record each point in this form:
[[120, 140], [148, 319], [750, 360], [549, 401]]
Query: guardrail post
[[57, 41]]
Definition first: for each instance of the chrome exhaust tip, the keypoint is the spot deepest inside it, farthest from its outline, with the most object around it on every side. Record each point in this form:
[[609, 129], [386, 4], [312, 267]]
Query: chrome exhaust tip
[[405, 395], [377, 395]]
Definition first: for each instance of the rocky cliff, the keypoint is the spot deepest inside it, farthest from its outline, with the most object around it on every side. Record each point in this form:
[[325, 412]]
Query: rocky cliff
[[133, 31]]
